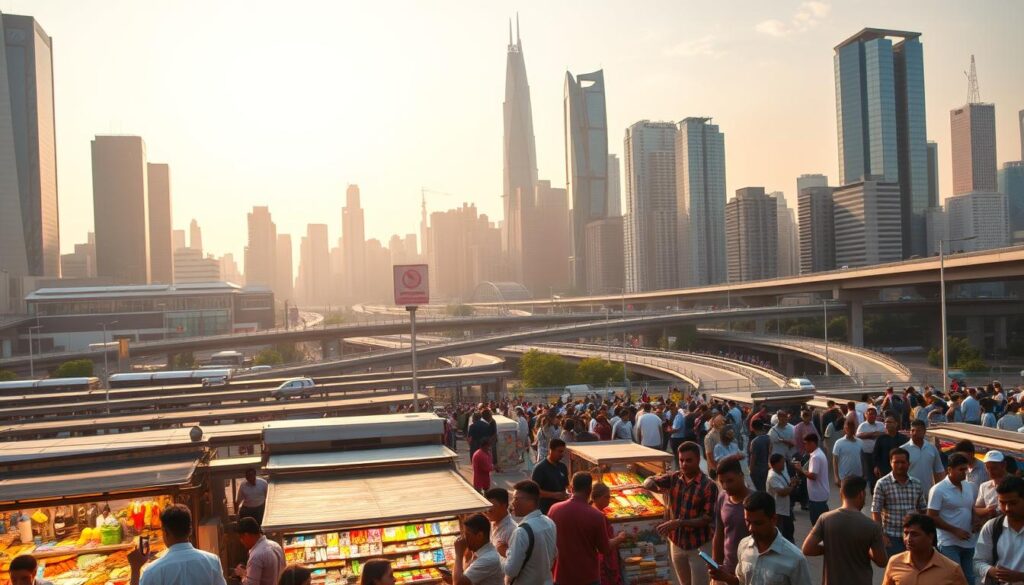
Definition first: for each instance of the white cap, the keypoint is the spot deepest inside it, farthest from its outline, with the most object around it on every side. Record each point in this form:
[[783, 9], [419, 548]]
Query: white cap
[[994, 457]]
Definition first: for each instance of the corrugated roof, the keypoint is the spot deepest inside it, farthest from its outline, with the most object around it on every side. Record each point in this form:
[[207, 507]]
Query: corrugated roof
[[348, 459], [352, 427]]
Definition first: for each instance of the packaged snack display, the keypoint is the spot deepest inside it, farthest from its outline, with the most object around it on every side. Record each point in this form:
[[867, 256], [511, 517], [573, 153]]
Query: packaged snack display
[[415, 550]]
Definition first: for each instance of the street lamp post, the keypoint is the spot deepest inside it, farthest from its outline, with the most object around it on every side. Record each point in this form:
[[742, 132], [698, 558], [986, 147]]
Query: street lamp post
[[106, 368], [625, 374], [824, 308], [942, 303], [31, 362]]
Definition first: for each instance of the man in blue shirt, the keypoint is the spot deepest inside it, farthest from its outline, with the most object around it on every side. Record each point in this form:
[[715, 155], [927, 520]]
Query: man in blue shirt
[[971, 408]]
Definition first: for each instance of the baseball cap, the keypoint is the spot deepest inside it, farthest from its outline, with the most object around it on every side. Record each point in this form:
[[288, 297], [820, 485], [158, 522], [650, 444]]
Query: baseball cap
[[994, 457]]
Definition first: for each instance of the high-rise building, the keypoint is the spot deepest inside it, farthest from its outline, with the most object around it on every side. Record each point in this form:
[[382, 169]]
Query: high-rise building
[[229, 270], [379, 274], [519, 154], [313, 286], [788, 241], [605, 262], [190, 267], [614, 186], [29, 227], [751, 235], [651, 246], [817, 233], [261, 251], [195, 236], [981, 216], [1011, 184], [284, 287], [547, 245], [937, 228], [866, 216], [121, 208], [586, 161], [700, 189], [880, 107], [161, 250], [81, 263], [973, 142], [353, 247], [465, 252], [178, 239], [933, 174], [810, 180]]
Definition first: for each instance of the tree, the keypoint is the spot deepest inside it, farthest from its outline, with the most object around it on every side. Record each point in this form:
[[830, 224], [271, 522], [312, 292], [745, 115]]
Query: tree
[[74, 369], [598, 372], [183, 361], [962, 355], [540, 370], [686, 337], [268, 357], [7, 376]]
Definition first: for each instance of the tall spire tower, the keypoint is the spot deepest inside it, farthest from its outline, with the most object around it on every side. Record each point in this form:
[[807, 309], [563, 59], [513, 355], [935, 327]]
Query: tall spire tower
[[519, 154]]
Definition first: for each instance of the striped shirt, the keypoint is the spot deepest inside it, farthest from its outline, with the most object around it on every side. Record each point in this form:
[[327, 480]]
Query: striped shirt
[[688, 500], [894, 501]]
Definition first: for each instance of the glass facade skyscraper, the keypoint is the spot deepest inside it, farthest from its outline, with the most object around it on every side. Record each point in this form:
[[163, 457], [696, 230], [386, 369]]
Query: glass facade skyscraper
[[880, 113], [700, 180], [650, 221]]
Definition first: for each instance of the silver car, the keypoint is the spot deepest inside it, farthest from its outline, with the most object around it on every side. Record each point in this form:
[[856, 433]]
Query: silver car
[[300, 387]]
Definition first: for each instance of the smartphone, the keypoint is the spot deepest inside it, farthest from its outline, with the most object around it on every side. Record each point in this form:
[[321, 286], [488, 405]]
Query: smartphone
[[144, 545], [707, 559], [444, 571]]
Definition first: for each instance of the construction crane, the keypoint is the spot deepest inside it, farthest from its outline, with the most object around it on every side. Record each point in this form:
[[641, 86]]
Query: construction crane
[[973, 93]]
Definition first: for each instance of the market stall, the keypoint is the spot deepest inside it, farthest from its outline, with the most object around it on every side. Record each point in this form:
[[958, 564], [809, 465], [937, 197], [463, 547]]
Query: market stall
[[399, 499], [623, 466], [80, 515], [509, 452], [1011, 443]]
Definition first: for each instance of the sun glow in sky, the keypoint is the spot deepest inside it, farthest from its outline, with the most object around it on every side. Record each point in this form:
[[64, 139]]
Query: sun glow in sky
[[285, 103]]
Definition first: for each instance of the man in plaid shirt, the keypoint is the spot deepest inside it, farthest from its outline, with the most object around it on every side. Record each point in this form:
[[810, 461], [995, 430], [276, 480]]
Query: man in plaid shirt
[[691, 500], [896, 495]]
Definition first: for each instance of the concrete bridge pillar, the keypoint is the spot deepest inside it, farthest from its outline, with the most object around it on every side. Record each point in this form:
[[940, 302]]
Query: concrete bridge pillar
[[856, 322], [999, 334], [759, 326], [976, 332]]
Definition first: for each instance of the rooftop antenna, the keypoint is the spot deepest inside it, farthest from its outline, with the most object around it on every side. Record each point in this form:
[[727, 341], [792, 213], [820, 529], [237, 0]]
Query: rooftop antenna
[[510, 32], [973, 93], [519, 41]]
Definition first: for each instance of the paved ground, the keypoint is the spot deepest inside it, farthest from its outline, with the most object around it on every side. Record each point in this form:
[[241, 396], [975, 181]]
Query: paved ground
[[508, 478]]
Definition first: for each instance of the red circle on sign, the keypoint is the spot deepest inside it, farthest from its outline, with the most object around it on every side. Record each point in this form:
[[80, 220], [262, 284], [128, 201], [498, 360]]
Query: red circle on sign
[[411, 279]]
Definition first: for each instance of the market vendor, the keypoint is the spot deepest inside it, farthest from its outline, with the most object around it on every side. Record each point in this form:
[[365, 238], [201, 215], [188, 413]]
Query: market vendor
[[23, 571], [251, 499], [266, 557]]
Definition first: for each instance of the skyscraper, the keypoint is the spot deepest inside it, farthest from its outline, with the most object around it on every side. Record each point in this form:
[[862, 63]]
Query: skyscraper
[[614, 186], [177, 239], [261, 251], [29, 227], [981, 216], [81, 263], [547, 245], [933, 174], [121, 208], [161, 251], [605, 268], [788, 240], [1011, 184], [700, 200], [195, 236], [190, 266], [314, 281], [586, 161], [353, 246], [880, 111], [810, 180], [817, 227], [651, 246], [465, 252], [284, 289], [973, 142], [519, 154], [229, 270], [866, 216], [751, 235]]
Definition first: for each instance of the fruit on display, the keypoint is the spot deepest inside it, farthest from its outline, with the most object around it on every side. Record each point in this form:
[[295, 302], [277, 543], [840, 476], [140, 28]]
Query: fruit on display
[[621, 479]]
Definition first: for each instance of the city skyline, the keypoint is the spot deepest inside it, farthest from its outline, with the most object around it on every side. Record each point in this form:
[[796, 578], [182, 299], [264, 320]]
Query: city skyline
[[643, 73]]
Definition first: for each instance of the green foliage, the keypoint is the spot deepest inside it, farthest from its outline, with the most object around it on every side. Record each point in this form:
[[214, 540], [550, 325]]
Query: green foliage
[[183, 361], [663, 342], [962, 356], [7, 376], [538, 370], [74, 369], [598, 372], [459, 310], [289, 352], [686, 338], [268, 357]]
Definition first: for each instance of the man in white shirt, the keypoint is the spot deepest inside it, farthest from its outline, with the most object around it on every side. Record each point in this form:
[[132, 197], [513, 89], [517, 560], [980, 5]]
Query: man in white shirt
[[182, 564], [951, 505], [847, 454], [817, 478], [780, 486], [533, 548], [867, 432], [485, 566], [782, 436], [999, 556], [648, 428], [502, 523], [266, 558], [251, 499], [986, 506], [925, 462]]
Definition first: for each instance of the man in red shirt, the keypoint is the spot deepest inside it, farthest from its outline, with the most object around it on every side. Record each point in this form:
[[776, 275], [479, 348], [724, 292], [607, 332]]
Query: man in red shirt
[[483, 465], [581, 536]]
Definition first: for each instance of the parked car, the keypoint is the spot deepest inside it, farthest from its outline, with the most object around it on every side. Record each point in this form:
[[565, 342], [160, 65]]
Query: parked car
[[215, 382], [801, 384], [301, 387]]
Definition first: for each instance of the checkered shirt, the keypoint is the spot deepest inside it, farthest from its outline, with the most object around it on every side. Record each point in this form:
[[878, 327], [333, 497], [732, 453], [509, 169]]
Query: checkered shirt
[[895, 501]]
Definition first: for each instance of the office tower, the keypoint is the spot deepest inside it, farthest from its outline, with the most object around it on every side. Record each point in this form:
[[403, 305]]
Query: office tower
[[933, 174], [261, 251], [229, 270], [973, 142], [700, 188], [1011, 184], [314, 281], [880, 109], [519, 154], [29, 227], [177, 239], [190, 267], [937, 227], [353, 246], [284, 288], [161, 251], [810, 180], [547, 245], [978, 215], [817, 237], [121, 208], [586, 161], [651, 246], [866, 216], [605, 261], [751, 235], [466, 251], [195, 236], [82, 262], [336, 258], [379, 274], [614, 186], [788, 241]]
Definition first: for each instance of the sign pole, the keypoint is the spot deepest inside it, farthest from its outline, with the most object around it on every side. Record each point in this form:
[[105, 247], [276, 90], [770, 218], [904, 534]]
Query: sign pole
[[412, 343]]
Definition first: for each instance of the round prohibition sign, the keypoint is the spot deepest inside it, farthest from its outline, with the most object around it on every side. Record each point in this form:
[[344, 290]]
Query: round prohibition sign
[[411, 279]]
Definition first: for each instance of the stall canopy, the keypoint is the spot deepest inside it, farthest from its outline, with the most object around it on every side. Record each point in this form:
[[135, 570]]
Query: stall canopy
[[610, 452], [98, 478], [383, 428], [1009, 442], [377, 498], [423, 454]]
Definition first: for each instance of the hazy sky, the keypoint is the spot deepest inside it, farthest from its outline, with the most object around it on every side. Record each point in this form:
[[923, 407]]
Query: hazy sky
[[284, 103]]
